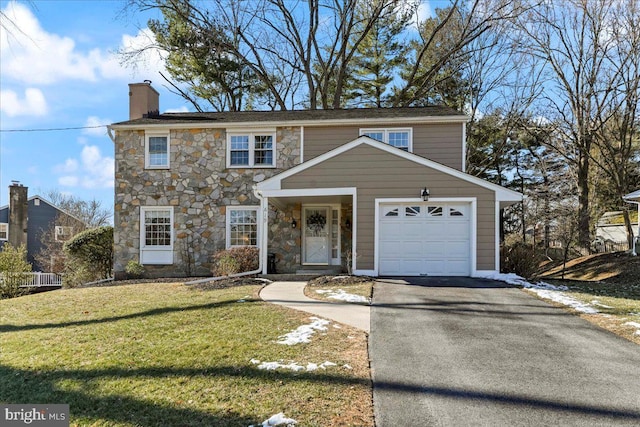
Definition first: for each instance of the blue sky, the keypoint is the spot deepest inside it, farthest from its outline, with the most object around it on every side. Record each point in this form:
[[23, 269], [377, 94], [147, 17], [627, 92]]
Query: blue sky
[[58, 69]]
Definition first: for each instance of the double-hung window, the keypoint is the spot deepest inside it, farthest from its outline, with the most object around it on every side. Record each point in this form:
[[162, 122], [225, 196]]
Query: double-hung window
[[156, 235], [4, 231], [63, 233], [253, 149], [156, 150], [396, 137], [242, 226]]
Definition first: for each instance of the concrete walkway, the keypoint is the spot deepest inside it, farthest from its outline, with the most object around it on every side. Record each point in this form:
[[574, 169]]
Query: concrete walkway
[[291, 294]]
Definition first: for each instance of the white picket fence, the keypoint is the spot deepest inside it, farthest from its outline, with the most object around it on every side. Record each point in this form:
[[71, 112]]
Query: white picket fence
[[40, 279]]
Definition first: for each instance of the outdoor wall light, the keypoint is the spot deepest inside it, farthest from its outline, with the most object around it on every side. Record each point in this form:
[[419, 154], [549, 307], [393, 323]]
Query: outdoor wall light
[[347, 224], [425, 194], [294, 224]]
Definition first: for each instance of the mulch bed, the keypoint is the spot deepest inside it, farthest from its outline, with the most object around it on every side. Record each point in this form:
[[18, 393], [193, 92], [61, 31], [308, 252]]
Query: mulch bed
[[342, 280]]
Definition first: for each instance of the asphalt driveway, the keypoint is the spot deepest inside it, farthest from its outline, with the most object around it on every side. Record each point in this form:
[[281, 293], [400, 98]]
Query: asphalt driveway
[[469, 352]]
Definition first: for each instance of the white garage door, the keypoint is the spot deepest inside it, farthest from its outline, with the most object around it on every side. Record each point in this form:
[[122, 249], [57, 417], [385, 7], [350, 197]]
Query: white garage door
[[425, 239]]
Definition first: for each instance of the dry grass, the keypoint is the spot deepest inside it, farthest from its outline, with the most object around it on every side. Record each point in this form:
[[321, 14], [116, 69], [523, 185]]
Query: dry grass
[[355, 285], [167, 354]]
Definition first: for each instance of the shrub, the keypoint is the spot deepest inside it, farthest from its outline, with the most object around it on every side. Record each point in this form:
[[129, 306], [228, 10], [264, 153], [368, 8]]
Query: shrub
[[235, 260], [13, 270], [77, 274], [134, 269], [92, 249], [522, 259]]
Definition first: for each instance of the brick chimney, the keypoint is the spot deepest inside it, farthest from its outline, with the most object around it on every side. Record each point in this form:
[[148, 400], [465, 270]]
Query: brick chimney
[[143, 100], [18, 205]]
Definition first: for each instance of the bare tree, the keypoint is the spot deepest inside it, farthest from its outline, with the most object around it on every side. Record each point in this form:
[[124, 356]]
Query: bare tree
[[572, 44], [446, 43]]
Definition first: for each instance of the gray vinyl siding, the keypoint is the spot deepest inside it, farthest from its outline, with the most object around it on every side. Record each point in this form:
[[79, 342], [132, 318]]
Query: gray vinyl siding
[[441, 143], [378, 174], [41, 219]]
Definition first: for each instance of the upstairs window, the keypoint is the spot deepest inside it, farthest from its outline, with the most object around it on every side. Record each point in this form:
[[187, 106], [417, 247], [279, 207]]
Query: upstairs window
[[4, 231], [62, 233], [156, 150], [396, 137], [255, 149]]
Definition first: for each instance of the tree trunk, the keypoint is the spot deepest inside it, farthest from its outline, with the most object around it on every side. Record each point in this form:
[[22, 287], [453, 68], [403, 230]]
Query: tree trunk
[[584, 215], [627, 226]]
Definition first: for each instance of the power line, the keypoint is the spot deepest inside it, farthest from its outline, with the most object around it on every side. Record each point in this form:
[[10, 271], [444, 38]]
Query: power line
[[52, 129]]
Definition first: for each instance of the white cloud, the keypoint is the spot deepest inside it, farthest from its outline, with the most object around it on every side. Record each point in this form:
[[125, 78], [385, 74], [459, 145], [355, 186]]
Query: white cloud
[[97, 127], [69, 166], [147, 64], [32, 104], [93, 170], [30, 54]]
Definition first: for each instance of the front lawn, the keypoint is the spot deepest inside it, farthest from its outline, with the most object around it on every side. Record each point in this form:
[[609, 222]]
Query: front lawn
[[164, 354]]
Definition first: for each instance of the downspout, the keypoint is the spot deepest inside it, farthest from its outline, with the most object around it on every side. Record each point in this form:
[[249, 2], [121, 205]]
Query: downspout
[[112, 137], [260, 251], [637, 237]]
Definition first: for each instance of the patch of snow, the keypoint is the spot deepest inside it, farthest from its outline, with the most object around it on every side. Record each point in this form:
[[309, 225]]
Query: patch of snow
[[341, 295], [337, 326], [635, 325], [347, 367], [278, 420], [339, 277], [263, 280], [544, 290], [293, 366], [599, 304], [303, 333]]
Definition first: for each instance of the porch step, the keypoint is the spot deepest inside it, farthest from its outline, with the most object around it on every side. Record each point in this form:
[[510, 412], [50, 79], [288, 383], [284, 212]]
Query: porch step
[[319, 271]]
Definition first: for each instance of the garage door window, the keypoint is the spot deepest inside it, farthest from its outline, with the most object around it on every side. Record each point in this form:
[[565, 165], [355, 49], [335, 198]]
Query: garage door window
[[434, 211], [390, 211], [412, 211]]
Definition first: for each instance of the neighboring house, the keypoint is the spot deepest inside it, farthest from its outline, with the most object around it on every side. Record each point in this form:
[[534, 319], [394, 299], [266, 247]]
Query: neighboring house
[[611, 228], [381, 189], [25, 220]]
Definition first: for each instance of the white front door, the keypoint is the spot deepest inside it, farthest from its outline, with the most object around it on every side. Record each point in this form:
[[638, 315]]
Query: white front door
[[316, 235]]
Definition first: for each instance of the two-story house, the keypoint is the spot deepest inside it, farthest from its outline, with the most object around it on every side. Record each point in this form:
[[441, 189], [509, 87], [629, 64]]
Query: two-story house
[[34, 222], [381, 189]]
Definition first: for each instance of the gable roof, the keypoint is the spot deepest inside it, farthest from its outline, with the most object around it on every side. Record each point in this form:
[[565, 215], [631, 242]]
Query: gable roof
[[433, 113], [50, 204], [502, 194]]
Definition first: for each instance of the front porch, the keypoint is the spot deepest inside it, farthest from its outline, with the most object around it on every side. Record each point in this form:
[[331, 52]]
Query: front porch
[[307, 234]]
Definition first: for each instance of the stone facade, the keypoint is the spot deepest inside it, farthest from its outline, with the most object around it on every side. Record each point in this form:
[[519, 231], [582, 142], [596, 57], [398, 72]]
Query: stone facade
[[199, 187]]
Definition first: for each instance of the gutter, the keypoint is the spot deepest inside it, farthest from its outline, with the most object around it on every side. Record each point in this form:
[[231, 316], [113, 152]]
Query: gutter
[[258, 194]]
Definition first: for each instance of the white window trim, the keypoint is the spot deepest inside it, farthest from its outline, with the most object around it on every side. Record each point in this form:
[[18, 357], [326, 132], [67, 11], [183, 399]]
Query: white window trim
[[252, 134], [6, 224], [166, 250], [230, 208], [58, 228], [149, 134], [386, 131]]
